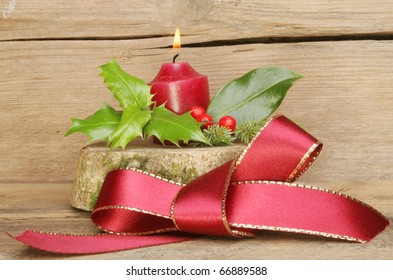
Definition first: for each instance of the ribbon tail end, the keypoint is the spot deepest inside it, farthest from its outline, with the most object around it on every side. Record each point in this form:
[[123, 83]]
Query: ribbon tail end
[[387, 223], [93, 244]]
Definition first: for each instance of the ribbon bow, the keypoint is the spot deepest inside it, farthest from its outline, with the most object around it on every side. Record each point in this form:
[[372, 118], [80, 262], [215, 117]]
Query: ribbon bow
[[250, 193]]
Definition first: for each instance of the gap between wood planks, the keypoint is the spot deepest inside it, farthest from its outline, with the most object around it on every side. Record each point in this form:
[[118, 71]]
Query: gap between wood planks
[[218, 43]]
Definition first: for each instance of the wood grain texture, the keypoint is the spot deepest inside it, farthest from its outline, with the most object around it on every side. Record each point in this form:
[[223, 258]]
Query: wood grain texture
[[201, 21], [345, 99], [49, 54], [46, 207]]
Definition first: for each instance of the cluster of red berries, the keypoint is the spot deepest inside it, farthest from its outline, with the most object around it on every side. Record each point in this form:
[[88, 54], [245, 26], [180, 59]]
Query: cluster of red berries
[[199, 114]]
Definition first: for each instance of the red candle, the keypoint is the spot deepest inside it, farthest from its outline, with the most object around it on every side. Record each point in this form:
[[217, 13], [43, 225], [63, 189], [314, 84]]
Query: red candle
[[179, 85]]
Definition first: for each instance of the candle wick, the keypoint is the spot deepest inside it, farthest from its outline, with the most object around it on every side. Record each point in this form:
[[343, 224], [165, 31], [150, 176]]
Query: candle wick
[[174, 58]]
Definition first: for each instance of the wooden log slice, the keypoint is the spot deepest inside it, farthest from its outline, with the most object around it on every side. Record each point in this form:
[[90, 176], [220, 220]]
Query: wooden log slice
[[179, 165]]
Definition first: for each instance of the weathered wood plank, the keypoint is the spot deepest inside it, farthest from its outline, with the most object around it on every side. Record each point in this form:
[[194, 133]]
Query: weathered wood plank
[[345, 99], [201, 21], [46, 207]]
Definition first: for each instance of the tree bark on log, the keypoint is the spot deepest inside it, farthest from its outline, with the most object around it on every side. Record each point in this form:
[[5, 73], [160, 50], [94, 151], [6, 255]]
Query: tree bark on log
[[179, 165]]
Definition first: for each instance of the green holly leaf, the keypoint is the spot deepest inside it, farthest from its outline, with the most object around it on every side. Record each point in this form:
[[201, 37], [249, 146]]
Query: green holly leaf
[[166, 125], [97, 126], [131, 126], [254, 96], [128, 90]]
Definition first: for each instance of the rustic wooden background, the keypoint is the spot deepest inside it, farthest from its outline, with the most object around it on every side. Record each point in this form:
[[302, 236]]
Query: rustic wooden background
[[50, 52]]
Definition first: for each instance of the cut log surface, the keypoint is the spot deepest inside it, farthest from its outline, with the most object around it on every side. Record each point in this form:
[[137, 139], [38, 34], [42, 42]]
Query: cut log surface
[[178, 165]]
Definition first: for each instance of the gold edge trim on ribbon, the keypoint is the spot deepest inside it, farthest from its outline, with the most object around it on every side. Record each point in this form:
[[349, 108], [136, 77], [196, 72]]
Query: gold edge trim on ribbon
[[173, 210], [223, 205], [303, 186], [297, 172], [65, 234], [243, 233], [240, 158], [138, 233], [296, 230], [107, 232], [151, 175], [130, 209]]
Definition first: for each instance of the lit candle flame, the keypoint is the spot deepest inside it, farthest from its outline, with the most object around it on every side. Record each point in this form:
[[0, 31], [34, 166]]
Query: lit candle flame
[[176, 40]]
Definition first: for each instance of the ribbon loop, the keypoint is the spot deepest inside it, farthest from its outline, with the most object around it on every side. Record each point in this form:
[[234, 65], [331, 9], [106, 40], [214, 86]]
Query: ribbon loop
[[235, 199], [281, 151], [250, 193], [199, 207], [128, 203]]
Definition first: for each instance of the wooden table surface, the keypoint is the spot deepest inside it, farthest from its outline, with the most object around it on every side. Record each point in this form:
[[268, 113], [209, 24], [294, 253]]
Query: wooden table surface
[[49, 57], [46, 207]]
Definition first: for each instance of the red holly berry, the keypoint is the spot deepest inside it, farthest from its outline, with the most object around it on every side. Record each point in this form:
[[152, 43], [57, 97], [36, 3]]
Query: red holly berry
[[228, 122], [206, 119], [197, 112]]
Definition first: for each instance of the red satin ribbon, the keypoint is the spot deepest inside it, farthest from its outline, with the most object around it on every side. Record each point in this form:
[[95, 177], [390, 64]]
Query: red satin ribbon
[[253, 192]]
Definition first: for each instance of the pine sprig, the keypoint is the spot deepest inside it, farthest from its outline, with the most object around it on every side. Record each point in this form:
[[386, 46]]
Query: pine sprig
[[219, 136], [247, 130]]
